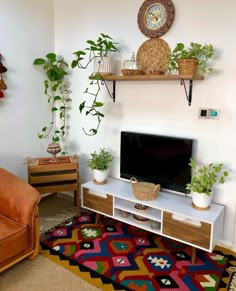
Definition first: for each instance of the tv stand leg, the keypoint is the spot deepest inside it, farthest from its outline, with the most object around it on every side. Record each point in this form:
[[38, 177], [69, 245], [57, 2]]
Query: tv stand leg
[[194, 254]]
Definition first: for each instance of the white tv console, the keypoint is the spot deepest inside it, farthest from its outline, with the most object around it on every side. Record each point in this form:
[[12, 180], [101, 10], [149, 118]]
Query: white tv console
[[173, 213]]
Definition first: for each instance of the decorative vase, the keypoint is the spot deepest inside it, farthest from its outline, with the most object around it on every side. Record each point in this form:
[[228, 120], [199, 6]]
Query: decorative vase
[[102, 65], [54, 148], [100, 177], [187, 66], [201, 201]]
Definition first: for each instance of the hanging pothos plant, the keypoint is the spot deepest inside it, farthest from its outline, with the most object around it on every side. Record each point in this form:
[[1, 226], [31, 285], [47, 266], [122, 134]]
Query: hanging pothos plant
[[101, 48], [56, 89]]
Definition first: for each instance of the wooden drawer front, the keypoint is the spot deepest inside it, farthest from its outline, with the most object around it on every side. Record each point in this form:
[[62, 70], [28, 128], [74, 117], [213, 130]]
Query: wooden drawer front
[[198, 235], [98, 203]]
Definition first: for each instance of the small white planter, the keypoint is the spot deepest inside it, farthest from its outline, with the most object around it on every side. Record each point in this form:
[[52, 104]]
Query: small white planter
[[103, 65], [201, 200], [100, 177]]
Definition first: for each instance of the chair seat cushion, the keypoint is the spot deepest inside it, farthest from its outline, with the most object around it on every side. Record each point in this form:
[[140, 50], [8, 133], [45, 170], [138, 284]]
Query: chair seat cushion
[[14, 238]]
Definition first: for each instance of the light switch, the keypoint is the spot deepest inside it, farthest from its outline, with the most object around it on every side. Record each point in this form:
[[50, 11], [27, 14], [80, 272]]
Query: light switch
[[203, 113]]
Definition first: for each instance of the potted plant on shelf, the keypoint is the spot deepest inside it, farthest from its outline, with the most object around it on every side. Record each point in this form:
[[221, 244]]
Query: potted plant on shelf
[[191, 60], [204, 178], [98, 51], [57, 91], [99, 162]]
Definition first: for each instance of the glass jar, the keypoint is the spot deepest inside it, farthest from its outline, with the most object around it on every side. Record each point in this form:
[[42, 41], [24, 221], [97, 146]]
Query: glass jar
[[130, 64]]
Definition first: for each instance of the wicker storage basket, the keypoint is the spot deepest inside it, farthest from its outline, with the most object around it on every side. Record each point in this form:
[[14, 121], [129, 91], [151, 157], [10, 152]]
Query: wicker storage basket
[[144, 190], [131, 72], [187, 66]]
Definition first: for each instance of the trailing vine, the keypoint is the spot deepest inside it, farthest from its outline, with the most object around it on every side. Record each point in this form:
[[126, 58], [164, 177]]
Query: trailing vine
[[56, 89], [102, 47]]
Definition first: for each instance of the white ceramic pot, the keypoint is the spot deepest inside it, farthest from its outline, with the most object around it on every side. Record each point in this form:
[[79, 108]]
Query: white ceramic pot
[[100, 176], [201, 200], [102, 65]]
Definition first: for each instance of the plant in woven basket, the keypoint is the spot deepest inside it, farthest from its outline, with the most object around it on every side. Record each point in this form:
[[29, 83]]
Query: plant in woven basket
[[57, 91], [100, 48], [200, 53]]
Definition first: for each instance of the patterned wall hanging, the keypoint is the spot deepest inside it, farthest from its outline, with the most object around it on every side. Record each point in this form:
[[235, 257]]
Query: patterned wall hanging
[[3, 85]]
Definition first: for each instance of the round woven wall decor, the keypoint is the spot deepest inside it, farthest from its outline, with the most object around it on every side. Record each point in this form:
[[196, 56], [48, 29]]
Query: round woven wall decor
[[153, 55]]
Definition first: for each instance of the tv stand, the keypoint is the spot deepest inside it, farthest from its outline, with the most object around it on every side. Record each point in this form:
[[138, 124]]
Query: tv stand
[[169, 215]]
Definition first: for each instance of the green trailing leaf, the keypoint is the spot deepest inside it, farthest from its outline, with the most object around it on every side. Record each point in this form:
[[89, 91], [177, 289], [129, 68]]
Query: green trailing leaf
[[81, 107], [39, 62], [98, 104], [57, 98]]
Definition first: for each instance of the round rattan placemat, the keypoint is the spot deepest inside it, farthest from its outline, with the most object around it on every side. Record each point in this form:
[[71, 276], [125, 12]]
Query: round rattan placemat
[[153, 55]]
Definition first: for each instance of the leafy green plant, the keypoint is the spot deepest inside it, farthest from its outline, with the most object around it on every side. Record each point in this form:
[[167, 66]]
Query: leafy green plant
[[102, 47], [100, 161], [205, 177], [195, 51], [56, 89]]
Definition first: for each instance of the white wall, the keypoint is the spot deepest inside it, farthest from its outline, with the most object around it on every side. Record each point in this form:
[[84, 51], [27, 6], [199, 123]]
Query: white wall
[[27, 32], [157, 107]]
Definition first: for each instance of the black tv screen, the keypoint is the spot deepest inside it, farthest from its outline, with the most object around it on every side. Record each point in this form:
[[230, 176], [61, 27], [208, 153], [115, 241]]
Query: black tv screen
[[156, 158]]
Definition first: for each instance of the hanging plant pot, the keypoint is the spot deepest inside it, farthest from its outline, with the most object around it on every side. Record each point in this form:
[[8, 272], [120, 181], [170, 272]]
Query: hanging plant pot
[[103, 65], [201, 201], [187, 66]]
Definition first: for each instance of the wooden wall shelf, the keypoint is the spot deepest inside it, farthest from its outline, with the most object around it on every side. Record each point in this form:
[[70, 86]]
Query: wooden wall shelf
[[181, 78], [151, 77]]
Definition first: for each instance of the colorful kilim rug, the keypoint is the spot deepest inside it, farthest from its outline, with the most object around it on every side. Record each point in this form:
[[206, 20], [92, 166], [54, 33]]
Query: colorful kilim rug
[[129, 258]]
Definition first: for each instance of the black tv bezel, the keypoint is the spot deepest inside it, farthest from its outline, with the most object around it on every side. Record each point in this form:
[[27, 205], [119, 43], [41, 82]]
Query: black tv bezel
[[172, 187]]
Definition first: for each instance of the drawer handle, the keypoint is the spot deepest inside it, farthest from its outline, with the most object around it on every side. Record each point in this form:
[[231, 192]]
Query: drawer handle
[[186, 219], [97, 193]]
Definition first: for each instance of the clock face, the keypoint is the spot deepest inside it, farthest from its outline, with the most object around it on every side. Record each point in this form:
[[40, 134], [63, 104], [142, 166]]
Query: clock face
[[155, 17]]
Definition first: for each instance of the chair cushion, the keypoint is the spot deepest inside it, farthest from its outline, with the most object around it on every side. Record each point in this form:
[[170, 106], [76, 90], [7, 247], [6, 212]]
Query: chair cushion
[[14, 238]]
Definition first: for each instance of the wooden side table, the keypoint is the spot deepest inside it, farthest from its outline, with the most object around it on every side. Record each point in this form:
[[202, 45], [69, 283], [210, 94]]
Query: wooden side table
[[48, 176]]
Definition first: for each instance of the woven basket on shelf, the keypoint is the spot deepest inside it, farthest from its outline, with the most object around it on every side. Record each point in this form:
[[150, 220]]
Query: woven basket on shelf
[[187, 66], [131, 72], [144, 190]]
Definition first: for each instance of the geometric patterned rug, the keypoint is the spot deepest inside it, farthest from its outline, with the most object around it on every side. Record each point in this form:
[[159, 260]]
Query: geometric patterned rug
[[130, 258]]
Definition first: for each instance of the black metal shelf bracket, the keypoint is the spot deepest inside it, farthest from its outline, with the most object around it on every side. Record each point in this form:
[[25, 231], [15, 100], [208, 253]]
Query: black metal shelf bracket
[[113, 93], [189, 93]]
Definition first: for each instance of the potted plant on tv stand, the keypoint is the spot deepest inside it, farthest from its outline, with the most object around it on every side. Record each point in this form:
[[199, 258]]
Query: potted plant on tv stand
[[203, 180], [57, 92], [99, 163]]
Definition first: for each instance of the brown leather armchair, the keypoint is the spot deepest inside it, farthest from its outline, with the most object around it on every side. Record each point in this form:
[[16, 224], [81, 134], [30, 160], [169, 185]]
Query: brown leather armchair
[[19, 224]]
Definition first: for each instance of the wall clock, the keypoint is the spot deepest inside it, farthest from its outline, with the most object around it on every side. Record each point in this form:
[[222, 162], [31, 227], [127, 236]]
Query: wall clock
[[155, 17]]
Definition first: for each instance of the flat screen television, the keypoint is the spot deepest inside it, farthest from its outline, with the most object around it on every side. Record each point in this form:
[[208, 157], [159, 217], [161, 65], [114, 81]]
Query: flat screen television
[[156, 158]]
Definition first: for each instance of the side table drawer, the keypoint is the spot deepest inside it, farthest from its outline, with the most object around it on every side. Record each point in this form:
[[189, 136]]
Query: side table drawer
[[103, 204], [183, 228]]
